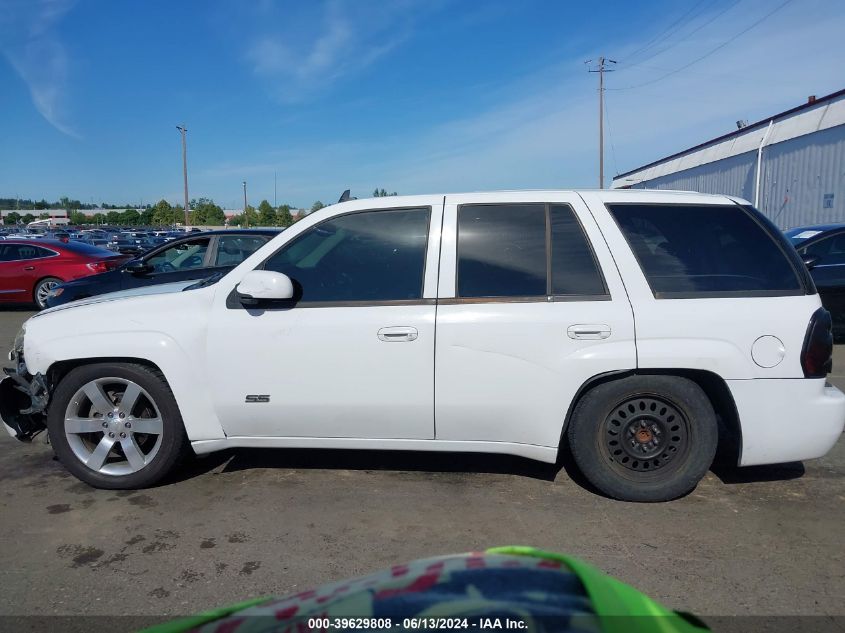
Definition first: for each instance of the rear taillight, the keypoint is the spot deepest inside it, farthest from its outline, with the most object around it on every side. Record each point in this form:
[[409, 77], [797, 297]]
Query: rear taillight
[[98, 267], [817, 353]]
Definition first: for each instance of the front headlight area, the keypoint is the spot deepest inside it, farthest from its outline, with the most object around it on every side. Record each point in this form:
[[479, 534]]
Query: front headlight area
[[16, 353]]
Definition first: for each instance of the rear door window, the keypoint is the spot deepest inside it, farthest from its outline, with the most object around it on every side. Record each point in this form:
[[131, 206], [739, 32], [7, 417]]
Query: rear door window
[[502, 250], [574, 267], [525, 250], [706, 250]]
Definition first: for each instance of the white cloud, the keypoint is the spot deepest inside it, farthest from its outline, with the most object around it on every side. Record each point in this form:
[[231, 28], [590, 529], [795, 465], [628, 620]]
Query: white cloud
[[298, 56], [29, 44]]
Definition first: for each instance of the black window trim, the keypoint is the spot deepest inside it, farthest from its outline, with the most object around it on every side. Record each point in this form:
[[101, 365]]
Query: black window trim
[[549, 297], [232, 301], [721, 294]]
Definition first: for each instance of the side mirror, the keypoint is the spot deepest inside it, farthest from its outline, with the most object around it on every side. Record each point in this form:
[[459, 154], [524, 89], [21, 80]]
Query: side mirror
[[811, 260], [264, 285], [137, 267]]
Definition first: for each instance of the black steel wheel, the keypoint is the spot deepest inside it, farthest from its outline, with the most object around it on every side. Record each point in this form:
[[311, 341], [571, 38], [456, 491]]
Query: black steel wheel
[[644, 438], [645, 434]]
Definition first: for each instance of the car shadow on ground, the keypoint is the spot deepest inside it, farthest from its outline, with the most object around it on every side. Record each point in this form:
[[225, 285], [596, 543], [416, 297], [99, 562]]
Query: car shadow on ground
[[733, 474], [233, 460], [242, 459]]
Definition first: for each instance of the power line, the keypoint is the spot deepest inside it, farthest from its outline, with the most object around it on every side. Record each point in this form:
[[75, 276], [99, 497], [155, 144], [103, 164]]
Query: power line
[[685, 37], [710, 52], [665, 31]]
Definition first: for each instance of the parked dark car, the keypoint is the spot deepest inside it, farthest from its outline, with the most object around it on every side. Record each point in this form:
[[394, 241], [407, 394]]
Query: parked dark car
[[127, 246], [822, 248], [194, 256]]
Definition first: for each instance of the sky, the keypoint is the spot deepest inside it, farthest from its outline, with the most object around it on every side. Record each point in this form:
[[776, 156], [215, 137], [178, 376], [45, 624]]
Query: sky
[[414, 96]]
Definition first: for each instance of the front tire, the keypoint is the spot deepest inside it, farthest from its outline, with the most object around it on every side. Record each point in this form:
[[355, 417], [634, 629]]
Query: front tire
[[116, 425], [644, 438], [42, 291]]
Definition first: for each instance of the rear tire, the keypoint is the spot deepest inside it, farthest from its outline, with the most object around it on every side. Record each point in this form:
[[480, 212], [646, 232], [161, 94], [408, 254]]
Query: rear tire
[[116, 425], [42, 289], [644, 438]]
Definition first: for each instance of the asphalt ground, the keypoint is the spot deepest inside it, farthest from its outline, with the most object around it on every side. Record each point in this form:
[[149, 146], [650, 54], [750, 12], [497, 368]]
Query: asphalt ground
[[234, 525]]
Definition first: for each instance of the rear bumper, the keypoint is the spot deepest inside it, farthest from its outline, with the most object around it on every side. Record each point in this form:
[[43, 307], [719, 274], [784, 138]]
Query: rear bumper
[[786, 420]]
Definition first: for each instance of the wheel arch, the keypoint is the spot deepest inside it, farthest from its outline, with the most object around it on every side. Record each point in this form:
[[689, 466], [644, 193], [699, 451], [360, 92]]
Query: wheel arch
[[198, 414], [61, 368], [713, 386]]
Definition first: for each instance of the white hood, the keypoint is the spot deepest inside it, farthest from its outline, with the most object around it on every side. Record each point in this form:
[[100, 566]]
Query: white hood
[[176, 286]]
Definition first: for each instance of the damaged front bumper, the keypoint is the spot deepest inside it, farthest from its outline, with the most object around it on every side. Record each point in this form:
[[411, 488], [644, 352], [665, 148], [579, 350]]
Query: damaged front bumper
[[23, 403]]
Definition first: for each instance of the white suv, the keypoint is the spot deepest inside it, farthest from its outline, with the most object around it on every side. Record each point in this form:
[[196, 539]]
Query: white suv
[[640, 328]]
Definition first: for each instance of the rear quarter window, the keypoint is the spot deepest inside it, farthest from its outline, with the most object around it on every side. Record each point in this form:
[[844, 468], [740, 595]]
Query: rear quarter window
[[688, 251]]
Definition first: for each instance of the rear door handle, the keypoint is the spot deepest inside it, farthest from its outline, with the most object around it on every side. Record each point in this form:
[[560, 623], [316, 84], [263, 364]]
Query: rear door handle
[[397, 334], [589, 331], [29, 267]]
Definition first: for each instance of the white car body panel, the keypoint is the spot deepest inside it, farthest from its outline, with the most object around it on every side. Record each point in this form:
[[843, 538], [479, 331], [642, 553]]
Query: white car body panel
[[787, 420], [151, 327], [508, 371], [714, 335], [493, 376]]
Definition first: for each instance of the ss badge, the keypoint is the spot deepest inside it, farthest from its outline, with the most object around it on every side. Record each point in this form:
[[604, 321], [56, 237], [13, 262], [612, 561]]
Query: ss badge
[[257, 398]]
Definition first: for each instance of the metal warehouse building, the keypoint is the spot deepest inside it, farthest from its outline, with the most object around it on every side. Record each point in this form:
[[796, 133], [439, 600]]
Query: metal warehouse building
[[791, 165]]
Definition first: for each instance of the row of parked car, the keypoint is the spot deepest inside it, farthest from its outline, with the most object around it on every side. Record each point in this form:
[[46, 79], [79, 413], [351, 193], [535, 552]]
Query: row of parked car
[[52, 269], [126, 241]]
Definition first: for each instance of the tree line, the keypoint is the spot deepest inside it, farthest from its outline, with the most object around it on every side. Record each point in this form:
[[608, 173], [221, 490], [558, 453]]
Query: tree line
[[201, 211], [25, 204]]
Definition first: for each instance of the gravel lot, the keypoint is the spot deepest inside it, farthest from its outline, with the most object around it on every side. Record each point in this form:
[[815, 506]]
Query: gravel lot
[[751, 541]]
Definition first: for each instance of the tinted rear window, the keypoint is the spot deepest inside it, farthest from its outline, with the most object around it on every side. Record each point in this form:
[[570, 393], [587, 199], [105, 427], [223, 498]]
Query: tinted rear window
[[574, 269], [705, 250], [502, 250]]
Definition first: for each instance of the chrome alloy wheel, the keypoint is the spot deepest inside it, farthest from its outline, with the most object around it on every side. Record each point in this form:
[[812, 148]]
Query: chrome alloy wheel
[[113, 426], [43, 292]]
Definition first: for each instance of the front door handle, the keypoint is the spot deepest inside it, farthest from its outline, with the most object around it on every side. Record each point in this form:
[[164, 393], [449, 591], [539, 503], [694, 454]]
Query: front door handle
[[397, 334], [29, 267], [589, 331]]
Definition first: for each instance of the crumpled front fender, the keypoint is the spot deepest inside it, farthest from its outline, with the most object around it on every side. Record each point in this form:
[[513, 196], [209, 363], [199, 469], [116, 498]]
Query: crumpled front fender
[[23, 402]]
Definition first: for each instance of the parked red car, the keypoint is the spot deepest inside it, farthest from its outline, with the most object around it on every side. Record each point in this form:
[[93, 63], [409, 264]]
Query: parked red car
[[29, 269]]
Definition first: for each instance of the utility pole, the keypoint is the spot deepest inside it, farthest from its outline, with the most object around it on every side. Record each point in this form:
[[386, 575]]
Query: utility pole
[[246, 218], [184, 131], [601, 69], [274, 189]]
